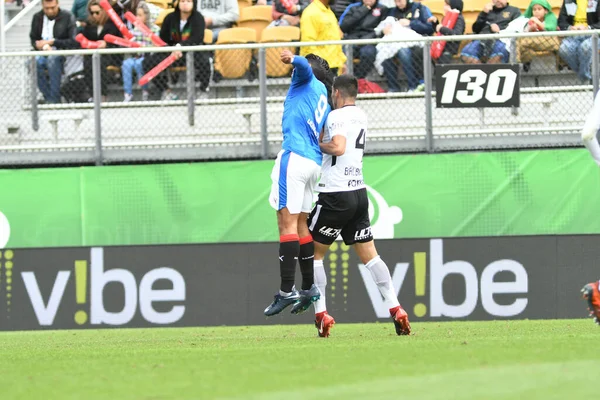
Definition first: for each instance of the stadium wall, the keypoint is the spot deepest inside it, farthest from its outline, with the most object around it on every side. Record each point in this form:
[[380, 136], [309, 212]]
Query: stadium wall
[[484, 278], [479, 236]]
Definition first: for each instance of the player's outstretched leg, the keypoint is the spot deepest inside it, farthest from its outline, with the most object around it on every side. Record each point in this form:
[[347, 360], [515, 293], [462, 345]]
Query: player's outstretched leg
[[381, 276], [309, 292], [289, 247], [323, 321], [591, 294]]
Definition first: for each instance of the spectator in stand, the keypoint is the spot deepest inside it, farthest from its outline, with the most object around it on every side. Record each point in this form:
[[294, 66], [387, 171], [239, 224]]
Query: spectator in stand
[[339, 6], [541, 18], [451, 48], [416, 16], [494, 17], [51, 28], [183, 27], [135, 61], [79, 11], [317, 24], [99, 25], [577, 50], [219, 15], [132, 6], [359, 22], [287, 12]]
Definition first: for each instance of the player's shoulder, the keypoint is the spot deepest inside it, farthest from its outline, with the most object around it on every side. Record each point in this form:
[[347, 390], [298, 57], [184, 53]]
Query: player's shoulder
[[347, 112], [336, 115]]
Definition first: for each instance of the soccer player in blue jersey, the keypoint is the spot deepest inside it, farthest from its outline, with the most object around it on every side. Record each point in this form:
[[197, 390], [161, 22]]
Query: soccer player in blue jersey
[[295, 176]]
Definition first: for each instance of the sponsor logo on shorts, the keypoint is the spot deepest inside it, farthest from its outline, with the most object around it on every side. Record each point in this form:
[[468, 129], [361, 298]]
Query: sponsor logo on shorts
[[330, 232], [363, 234]]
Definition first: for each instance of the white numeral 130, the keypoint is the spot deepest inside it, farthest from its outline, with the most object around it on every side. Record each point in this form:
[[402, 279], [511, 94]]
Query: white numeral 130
[[475, 79]]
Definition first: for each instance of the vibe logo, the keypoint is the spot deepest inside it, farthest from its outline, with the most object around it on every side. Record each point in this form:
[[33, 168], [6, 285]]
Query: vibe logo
[[142, 294], [483, 287]]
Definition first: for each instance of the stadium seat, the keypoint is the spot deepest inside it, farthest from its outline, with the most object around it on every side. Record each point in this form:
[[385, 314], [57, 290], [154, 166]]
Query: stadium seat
[[162, 15], [274, 66], [165, 4], [256, 17], [243, 4], [232, 64]]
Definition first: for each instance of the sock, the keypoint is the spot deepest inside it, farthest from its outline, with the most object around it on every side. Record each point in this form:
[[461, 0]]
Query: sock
[[381, 275], [321, 282], [289, 248], [594, 148], [307, 256]]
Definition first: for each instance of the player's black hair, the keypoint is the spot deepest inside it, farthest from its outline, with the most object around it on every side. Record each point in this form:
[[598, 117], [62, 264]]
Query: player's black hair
[[320, 68], [347, 84]]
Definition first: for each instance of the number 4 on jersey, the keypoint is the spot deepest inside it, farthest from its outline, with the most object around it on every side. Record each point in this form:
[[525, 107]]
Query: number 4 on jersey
[[360, 144]]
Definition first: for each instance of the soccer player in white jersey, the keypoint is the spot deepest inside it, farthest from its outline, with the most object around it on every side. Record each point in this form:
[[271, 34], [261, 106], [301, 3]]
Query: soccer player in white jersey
[[295, 175], [343, 206], [591, 292], [590, 130]]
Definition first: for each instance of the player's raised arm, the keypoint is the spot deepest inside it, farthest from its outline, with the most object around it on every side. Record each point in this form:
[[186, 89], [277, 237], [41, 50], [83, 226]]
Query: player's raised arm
[[302, 69]]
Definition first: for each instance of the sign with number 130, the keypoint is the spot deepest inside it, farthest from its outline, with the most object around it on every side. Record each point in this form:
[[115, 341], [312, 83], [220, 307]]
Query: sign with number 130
[[477, 85]]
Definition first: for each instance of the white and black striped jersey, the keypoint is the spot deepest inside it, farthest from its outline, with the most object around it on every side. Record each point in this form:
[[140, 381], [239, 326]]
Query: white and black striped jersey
[[344, 173]]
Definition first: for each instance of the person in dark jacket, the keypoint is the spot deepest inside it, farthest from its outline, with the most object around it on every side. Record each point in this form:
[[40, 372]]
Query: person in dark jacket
[[51, 29], [577, 50], [414, 15], [495, 17], [99, 25], [451, 48], [359, 22], [183, 27]]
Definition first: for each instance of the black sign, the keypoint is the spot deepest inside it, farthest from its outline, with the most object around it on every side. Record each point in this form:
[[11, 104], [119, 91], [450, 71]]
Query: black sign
[[482, 85], [231, 284]]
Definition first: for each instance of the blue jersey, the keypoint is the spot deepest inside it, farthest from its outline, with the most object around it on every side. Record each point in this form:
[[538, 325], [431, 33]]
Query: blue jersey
[[305, 111]]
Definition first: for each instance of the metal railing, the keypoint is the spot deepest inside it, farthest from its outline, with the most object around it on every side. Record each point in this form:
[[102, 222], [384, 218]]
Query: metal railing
[[218, 124]]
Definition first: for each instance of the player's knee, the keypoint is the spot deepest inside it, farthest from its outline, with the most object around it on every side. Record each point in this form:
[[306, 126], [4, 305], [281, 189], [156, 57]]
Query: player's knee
[[366, 251], [286, 222]]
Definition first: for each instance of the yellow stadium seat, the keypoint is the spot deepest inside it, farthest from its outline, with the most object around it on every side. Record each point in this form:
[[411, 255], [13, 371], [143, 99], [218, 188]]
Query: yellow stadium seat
[[274, 66], [256, 17], [234, 64], [208, 36], [243, 4], [165, 4], [162, 15]]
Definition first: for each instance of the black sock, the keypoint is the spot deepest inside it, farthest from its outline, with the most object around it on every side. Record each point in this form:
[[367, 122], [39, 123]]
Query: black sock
[[289, 248], [306, 260]]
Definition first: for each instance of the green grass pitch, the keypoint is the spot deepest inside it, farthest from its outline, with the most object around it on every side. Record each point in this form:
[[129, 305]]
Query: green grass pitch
[[557, 359]]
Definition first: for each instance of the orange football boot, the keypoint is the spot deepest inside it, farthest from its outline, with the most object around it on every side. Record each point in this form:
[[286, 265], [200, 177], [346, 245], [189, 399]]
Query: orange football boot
[[324, 322]]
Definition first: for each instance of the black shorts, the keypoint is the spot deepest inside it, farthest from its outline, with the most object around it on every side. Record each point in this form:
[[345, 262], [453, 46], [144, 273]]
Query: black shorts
[[345, 213]]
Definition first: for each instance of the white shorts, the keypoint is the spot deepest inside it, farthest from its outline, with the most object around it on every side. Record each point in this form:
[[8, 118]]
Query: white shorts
[[294, 180]]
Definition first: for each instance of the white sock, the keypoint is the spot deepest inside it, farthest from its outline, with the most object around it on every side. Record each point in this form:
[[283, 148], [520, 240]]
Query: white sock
[[321, 282], [594, 148], [286, 294], [381, 276]]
